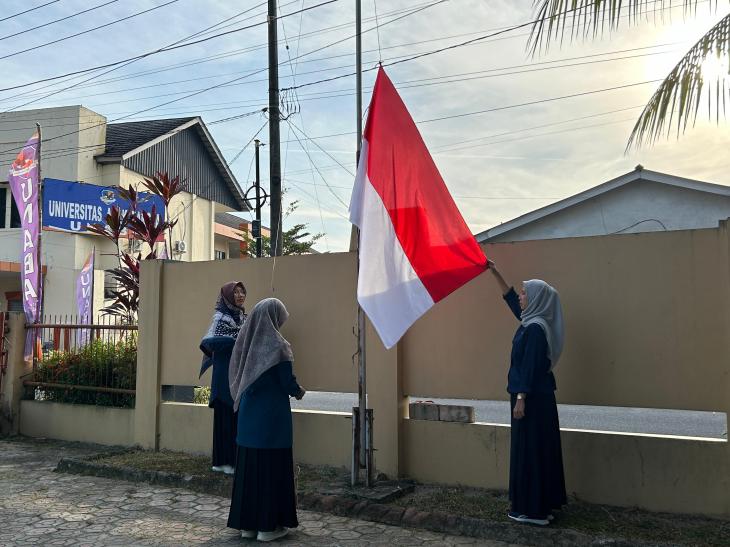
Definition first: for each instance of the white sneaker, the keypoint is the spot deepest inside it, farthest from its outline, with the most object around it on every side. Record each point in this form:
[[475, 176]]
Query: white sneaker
[[228, 469], [248, 534], [527, 520], [218, 468], [271, 536]]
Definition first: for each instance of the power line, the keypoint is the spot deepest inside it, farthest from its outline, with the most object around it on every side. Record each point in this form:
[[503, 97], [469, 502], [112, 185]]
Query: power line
[[129, 62], [480, 74], [58, 20], [29, 10], [191, 94], [88, 30], [157, 70]]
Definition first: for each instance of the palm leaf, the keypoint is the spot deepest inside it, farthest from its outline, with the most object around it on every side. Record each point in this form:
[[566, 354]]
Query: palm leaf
[[588, 18], [677, 100]]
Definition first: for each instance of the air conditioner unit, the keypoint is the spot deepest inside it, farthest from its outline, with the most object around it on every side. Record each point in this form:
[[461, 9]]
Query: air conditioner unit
[[180, 247]]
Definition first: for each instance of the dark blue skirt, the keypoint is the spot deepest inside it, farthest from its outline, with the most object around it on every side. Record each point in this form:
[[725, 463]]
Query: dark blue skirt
[[264, 496], [536, 479], [225, 425]]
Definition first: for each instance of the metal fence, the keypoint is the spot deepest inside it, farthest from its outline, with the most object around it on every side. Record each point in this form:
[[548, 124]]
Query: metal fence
[[82, 363]]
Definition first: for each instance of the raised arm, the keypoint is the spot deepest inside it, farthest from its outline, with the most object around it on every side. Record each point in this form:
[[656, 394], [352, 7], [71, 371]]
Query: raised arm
[[508, 293], [498, 276]]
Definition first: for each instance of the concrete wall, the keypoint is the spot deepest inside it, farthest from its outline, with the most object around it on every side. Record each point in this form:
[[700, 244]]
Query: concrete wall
[[11, 383], [647, 317], [320, 328], [619, 209], [321, 438], [85, 423]]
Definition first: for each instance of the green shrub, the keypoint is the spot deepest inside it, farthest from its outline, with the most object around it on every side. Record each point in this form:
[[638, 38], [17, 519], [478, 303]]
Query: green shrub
[[99, 363], [201, 395]]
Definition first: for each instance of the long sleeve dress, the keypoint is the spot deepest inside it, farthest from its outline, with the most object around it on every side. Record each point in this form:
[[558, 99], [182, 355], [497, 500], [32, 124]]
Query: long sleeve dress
[[264, 496], [536, 481], [217, 350]]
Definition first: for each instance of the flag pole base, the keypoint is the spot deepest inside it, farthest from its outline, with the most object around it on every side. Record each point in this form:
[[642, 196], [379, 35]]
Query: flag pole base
[[362, 457]]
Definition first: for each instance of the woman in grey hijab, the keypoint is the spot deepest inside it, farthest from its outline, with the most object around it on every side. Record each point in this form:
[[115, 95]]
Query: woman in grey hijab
[[263, 502], [536, 479]]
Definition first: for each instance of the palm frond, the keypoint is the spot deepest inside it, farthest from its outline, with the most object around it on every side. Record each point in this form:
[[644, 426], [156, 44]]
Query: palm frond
[[588, 18], [677, 100]]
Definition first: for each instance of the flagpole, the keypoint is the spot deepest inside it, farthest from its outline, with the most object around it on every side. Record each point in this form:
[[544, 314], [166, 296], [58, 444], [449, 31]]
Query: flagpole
[[362, 451], [42, 295]]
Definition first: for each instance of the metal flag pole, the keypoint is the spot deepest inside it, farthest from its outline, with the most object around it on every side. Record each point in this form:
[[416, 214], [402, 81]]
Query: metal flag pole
[[361, 418]]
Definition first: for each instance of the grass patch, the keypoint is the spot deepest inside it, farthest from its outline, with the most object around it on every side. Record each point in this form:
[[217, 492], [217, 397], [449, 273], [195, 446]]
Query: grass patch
[[164, 460], [598, 520]]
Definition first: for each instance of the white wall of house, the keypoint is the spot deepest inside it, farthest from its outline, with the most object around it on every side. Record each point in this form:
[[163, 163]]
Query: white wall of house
[[619, 209]]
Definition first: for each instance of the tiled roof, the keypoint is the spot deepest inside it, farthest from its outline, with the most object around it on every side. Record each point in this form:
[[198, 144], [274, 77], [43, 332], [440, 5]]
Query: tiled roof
[[125, 137]]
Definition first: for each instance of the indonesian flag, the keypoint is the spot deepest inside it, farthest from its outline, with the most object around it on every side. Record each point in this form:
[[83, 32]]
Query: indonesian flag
[[415, 248]]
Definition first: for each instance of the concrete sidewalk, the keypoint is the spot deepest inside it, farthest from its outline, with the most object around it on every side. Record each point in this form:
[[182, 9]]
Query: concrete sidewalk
[[40, 507]]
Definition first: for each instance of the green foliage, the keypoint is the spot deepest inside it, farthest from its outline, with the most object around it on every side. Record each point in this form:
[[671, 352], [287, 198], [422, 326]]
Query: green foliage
[[295, 241], [99, 363], [201, 395]]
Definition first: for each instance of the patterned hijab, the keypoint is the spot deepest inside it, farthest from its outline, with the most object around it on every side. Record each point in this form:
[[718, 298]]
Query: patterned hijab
[[227, 321], [259, 347], [543, 308]]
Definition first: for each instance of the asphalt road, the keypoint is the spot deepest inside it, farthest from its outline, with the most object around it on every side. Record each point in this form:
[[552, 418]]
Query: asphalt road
[[598, 418]]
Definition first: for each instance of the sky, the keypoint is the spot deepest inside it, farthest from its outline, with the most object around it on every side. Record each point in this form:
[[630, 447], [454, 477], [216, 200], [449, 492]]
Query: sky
[[509, 132]]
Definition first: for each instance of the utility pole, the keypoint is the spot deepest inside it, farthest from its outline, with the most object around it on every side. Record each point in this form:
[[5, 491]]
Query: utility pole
[[274, 135], [257, 228]]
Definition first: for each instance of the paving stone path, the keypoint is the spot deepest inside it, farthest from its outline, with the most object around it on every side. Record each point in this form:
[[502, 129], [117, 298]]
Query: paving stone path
[[40, 507]]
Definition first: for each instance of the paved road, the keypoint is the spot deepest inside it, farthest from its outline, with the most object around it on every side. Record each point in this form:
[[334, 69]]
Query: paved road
[[599, 418], [39, 507]]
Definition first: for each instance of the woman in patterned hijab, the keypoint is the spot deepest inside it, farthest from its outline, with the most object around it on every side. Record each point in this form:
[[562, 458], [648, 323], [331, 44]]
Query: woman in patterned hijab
[[217, 344]]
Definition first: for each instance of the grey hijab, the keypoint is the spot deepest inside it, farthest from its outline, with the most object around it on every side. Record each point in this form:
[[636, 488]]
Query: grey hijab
[[543, 308], [259, 347]]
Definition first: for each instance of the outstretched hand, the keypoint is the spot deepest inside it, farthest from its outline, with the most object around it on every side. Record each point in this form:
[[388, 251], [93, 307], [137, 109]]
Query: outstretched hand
[[301, 394]]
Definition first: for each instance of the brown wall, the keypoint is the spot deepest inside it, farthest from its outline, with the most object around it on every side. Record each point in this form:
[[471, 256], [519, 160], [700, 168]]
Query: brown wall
[[318, 290], [646, 321], [647, 318]]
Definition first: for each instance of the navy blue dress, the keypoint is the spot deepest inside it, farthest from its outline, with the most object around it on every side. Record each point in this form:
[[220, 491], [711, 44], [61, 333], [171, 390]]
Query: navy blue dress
[[264, 496], [536, 480], [217, 350]]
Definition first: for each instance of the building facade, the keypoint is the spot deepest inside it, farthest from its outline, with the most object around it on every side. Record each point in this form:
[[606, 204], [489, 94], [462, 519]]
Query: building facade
[[79, 145], [638, 201]]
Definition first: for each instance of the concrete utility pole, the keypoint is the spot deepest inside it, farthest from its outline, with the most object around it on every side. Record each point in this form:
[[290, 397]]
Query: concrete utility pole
[[274, 135]]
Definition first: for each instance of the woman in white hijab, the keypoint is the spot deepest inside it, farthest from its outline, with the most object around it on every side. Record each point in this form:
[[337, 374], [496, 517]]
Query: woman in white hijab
[[536, 479], [263, 502]]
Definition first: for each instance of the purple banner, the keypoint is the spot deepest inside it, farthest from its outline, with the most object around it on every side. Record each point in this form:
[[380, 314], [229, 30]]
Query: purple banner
[[85, 296], [24, 184]]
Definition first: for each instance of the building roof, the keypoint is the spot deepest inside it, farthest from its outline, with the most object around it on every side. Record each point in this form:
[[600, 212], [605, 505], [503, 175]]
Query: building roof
[[232, 221], [172, 144], [122, 138], [637, 174]]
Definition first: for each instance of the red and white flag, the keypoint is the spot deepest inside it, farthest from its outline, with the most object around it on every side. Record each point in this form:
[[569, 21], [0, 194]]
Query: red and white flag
[[415, 248]]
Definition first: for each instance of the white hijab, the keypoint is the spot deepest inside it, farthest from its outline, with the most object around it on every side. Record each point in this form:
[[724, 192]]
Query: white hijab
[[259, 347], [543, 308]]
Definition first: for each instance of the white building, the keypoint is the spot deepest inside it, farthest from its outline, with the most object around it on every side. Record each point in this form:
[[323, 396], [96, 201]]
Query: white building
[[79, 145], [639, 201]]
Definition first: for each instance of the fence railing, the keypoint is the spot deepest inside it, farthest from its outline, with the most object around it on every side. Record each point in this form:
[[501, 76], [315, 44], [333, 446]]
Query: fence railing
[[74, 362]]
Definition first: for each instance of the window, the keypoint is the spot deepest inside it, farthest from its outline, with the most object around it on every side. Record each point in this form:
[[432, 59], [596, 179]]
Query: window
[[220, 255], [14, 215], [110, 285]]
